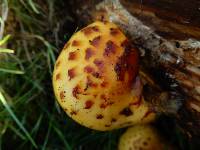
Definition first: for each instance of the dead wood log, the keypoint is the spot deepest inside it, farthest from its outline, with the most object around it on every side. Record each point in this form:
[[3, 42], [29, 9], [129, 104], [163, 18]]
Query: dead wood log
[[170, 51]]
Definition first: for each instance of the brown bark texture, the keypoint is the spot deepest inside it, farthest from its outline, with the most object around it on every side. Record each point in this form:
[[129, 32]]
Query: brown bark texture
[[167, 33]]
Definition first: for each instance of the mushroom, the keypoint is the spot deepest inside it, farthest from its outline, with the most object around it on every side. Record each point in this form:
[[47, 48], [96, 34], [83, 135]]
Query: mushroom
[[96, 80], [142, 137]]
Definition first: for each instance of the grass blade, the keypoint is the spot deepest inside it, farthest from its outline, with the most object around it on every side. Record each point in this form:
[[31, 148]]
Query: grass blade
[[5, 50], [68, 147], [6, 105], [17, 132], [37, 125], [47, 137], [33, 6], [1, 142], [11, 71], [4, 40]]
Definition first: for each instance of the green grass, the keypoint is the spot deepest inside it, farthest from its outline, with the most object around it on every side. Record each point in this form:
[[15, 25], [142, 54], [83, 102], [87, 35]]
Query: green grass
[[31, 37]]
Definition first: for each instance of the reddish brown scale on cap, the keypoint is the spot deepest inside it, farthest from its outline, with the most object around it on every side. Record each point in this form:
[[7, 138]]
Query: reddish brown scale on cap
[[76, 43], [121, 91], [95, 42], [89, 53], [103, 105], [113, 120], [114, 31], [57, 64], [72, 56], [90, 83], [89, 69], [66, 45], [86, 88], [58, 76], [99, 116], [104, 97], [62, 95], [126, 112], [99, 63], [95, 28], [106, 104], [96, 74], [110, 103], [110, 49], [113, 93], [71, 73], [88, 104], [145, 143], [107, 125], [104, 84], [88, 30], [73, 112], [127, 63], [76, 90]]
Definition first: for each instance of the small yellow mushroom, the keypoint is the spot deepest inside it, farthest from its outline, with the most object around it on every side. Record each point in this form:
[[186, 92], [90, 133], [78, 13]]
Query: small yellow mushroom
[[96, 81], [142, 137]]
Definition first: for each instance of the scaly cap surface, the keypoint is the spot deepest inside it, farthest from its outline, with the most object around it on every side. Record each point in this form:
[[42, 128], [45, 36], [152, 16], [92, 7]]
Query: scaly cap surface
[[95, 79]]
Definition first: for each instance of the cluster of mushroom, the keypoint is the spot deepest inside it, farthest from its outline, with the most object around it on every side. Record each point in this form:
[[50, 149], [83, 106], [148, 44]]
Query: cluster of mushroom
[[96, 80]]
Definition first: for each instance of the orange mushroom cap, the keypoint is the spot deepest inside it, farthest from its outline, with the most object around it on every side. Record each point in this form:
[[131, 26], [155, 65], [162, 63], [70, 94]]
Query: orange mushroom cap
[[143, 137], [95, 79]]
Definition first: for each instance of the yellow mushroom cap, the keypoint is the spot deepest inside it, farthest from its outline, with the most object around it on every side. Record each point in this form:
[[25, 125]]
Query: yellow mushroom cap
[[95, 79], [142, 137]]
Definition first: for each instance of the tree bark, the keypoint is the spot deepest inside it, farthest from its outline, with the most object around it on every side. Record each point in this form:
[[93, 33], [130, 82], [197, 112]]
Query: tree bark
[[167, 34]]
